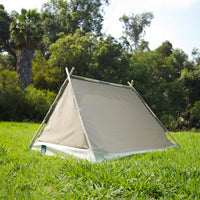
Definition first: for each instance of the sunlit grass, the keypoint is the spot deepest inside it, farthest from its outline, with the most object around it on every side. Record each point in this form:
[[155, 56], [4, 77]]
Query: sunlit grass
[[26, 174]]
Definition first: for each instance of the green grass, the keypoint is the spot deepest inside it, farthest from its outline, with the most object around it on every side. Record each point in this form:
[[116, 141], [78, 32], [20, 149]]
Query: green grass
[[26, 174]]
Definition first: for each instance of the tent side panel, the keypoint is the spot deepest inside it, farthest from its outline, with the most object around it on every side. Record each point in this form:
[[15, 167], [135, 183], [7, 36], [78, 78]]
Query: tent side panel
[[116, 120], [64, 126]]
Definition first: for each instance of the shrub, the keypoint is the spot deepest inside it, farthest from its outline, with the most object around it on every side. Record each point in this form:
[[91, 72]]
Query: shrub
[[7, 62], [169, 121], [16, 105], [195, 112], [37, 102], [174, 124], [44, 76], [7, 79], [11, 97]]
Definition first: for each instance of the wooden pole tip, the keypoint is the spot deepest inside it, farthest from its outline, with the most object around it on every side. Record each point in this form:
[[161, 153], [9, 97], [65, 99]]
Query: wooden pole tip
[[132, 83]]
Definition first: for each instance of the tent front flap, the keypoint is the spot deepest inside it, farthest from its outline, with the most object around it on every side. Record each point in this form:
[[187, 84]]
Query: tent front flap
[[64, 126]]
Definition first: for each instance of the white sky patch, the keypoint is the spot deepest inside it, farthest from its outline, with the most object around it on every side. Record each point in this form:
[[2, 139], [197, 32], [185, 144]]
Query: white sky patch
[[172, 4], [155, 4], [17, 5]]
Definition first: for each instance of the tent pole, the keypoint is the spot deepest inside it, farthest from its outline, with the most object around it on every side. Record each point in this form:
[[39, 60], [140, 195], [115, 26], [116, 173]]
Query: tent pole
[[52, 107], [153, 114], [80, 118]]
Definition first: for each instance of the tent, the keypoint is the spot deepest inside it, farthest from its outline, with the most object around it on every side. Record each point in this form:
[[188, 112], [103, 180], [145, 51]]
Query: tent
[[97, 120]]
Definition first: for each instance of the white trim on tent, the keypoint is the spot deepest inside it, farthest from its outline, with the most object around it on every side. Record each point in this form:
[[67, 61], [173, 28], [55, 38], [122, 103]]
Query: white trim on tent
[[55, 149]]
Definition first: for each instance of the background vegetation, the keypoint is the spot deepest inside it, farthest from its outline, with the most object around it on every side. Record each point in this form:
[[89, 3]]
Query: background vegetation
[[65, 33], [27, 174]]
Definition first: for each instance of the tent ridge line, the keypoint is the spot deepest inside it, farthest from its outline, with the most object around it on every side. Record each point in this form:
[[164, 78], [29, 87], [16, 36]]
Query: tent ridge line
[[99, 81], [79, 114], [152, 113]]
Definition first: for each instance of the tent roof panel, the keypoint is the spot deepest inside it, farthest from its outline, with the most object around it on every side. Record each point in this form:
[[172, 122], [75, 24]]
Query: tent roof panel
[[115, 118]]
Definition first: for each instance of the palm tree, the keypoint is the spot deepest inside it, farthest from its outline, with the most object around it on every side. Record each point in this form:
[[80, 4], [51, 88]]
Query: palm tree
[[26, 31]]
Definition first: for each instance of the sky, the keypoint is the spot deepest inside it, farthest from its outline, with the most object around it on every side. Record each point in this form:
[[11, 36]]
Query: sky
[[174, 20]]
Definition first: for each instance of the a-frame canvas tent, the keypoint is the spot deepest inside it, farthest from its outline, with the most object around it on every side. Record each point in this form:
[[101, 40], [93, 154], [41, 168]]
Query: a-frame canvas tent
[[97, 120]]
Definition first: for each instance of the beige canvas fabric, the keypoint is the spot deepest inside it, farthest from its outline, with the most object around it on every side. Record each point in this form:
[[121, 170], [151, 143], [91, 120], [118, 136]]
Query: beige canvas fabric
[[116, 120], [64, 126]]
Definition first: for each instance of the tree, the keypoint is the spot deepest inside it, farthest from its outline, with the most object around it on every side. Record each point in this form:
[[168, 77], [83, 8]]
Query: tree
[[155, 78], [73, 51], [7, 62], [5, 44], [191, 79], [93, 57], [165, 49], [196, 56], [88, 14], [195, 112], [111, 61], [54, 16], [67, 16], [11, 97], [4, 28], [45, 77], [26, 32], [135, 25], [180, 59]]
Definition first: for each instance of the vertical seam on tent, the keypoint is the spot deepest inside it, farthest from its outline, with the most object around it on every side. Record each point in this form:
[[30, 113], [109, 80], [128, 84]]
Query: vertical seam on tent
[[77, 107]]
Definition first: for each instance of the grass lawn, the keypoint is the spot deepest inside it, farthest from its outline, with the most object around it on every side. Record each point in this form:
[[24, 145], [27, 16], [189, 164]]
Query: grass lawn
[[26, 174]]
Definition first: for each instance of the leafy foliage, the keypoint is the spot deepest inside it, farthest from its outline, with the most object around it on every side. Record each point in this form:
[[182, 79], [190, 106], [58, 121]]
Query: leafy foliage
[[11, 97], [44, 76], [111, 62], [26, 29], [4, 29], [195, 112], [37, 102], [66, 16], [101, 59], [165, 49], [73, 51], [135, 25], [7, 62], [191, 79], [18, 105]]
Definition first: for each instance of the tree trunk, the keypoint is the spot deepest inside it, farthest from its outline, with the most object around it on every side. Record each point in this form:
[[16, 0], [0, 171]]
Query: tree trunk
[[24, 66]]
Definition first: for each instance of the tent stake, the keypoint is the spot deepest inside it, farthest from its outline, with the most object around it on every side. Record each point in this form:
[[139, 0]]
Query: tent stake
[[52, 106], [153, 114]]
